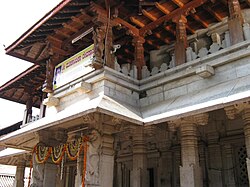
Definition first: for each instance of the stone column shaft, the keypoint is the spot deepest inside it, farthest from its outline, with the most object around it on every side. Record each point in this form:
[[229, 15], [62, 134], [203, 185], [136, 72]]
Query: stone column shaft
[[19, 179], [246, 119], [139, 173]]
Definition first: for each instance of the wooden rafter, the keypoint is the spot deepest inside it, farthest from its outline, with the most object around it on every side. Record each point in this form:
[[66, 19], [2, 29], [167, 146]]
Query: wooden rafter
[[212, 12], [178, 11], [166, 11], [195, 16], [157, 35]]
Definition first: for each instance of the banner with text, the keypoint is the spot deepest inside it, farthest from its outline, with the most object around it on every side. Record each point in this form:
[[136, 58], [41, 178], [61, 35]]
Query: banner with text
[[74, 67]]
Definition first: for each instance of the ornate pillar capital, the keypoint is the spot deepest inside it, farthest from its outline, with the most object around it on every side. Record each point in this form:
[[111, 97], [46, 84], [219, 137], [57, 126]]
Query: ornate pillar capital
[[198, 119], [233, 110]]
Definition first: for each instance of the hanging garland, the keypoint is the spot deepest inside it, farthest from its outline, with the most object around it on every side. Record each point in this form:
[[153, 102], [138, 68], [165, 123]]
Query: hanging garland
[[58, 153], [42, 153], [73, 149], [85, 150]]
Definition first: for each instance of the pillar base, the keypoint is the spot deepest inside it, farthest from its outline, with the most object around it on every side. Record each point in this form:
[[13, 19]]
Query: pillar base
[[191, 176]]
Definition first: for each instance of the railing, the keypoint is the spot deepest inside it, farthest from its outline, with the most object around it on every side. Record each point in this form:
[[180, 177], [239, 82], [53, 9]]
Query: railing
[[218, 41]]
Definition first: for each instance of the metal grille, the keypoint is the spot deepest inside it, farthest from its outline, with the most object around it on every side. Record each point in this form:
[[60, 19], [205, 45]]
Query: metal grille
[[242, 155]]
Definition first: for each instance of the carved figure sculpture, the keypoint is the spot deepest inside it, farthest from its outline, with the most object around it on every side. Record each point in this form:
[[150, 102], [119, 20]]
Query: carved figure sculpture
[[37, 174], [93, 158]]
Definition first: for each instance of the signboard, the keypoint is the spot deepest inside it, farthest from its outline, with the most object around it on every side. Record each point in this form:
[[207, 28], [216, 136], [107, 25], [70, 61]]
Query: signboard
[[74, 67]]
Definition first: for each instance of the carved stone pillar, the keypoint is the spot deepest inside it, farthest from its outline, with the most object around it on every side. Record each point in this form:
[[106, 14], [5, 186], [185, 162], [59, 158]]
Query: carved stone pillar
[[139, 173], [246, 119], [228, 165], [139, 55], [235, 22], [244, 110], [181, 40], [190, 170], [98, 37], [20, 170], [46, 174], [215, 160]]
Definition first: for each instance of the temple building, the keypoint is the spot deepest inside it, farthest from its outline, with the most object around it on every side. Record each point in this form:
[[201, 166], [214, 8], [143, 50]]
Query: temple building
[[133, 93]]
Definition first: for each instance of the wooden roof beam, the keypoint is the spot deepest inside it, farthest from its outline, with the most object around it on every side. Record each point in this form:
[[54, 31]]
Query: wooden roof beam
[[69, 27], [157, 35], [213, 13], [184, 10], [59, 32], [166, 11], [77, 20], [196, 17]]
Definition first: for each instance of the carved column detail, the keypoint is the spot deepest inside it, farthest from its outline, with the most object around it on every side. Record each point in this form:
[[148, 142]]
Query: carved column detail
[[246, 119], [139, 55], [235, 22], [244, 110], [139, 172], [181, 40], [190, 170], [98, 37]]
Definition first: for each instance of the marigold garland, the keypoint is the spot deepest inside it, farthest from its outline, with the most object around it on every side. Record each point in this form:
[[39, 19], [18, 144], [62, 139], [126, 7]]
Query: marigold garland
[[75, 147], [85, 139], [42, 153], [58, 153]]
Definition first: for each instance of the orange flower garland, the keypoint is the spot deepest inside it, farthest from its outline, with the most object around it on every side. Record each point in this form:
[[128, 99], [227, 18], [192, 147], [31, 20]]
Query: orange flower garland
[[57, 157], [44, 152], [57, 153], [76, 146], [85, 150]]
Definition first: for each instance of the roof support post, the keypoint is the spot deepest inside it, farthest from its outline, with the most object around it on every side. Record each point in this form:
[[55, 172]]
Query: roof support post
[[109, 51], [138, 42], [51, 63], [28, 110], [98, 37], [181, 40], [235, 22]]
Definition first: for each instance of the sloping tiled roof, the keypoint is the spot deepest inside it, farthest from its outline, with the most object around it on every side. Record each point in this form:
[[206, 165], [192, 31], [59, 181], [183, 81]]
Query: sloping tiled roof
[[6, 180]]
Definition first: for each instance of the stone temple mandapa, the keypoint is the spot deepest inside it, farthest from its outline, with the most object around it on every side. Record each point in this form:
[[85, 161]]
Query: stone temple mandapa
[[132, 93]]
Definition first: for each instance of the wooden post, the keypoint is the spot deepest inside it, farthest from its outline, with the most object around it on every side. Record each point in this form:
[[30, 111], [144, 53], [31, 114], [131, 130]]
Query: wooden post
[[139, 55], [181, 40], [28, 110], [235, 22], [98, 37], [48, 84], [109, 54]]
